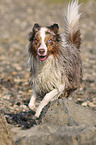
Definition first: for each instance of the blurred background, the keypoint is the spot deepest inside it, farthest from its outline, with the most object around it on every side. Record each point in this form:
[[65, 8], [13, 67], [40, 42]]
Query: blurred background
[[17, 18]]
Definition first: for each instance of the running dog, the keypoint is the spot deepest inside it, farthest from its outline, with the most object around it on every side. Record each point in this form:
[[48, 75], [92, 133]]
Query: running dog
[[55, 62]]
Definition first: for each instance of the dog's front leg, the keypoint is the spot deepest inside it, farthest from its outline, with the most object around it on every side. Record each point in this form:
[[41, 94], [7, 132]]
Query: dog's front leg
[[32, 101], [48, 97]]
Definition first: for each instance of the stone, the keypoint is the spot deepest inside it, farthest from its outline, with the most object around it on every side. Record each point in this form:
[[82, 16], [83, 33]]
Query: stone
[[64, 112], [63, 122], [6, 134], [48, 134]]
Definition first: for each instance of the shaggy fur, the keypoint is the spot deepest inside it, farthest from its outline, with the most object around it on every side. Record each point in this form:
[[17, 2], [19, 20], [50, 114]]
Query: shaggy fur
[[61, 70]]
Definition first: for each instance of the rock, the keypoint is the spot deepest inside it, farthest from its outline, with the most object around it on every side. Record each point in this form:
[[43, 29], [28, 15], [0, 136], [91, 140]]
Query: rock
[[48, 134], [5, 131], [84, 104], [63, 123], [65, 112]]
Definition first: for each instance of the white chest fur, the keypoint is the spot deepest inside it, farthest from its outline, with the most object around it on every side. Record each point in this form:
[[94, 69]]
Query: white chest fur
[[48, 75]]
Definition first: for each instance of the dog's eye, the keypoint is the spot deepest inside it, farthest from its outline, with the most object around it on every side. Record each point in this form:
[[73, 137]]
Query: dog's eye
[[49, 41], [36, 40]]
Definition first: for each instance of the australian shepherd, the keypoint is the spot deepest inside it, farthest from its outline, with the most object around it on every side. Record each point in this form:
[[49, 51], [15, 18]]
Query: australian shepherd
[[55, 62]]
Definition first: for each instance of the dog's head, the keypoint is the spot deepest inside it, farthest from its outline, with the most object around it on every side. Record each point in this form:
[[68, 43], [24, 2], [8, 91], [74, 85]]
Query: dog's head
[[44, 41]]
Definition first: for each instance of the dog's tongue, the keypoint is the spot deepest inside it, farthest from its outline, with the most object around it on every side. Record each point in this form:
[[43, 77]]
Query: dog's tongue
[[43, 58]]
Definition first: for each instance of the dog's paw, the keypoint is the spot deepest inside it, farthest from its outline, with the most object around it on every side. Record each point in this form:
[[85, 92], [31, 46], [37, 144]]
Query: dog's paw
[[32, 107], [37, 114]]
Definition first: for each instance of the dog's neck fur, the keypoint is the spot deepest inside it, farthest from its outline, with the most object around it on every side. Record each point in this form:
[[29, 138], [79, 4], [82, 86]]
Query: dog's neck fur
[[47, 74]]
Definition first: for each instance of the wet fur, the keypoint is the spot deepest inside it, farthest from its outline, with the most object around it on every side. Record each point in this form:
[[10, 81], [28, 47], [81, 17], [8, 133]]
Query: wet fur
[[62, 70]]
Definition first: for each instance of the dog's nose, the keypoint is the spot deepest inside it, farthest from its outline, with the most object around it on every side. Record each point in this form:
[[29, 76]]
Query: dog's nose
[[41, 50]]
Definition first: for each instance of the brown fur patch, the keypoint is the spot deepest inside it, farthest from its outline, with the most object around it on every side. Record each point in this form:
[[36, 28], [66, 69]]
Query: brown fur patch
[[52, 46], [55, 30], [75, 39], [34, 45]]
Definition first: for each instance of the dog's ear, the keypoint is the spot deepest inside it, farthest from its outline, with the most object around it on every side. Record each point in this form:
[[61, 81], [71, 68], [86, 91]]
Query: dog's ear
[[35, 29], [54, 28]]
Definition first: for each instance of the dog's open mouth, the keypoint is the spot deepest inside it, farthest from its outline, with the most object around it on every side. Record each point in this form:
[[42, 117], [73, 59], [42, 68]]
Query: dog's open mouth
[[42, 58]]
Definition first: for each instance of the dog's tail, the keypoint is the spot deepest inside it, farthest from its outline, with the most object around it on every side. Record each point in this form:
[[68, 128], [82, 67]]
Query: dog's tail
[[72, 32]]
